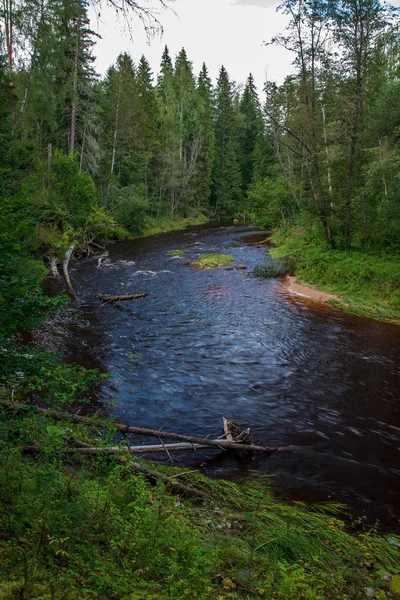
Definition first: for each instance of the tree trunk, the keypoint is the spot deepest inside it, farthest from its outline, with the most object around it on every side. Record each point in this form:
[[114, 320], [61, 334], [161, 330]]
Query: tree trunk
[[72, 134], [116, 127], [8, 21]]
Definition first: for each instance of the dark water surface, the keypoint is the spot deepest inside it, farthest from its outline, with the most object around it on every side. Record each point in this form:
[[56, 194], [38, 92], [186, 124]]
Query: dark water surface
[[219, 343]]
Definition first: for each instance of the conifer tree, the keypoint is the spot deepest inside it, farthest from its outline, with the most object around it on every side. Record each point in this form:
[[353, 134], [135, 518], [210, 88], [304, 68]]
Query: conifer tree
[[227, 176], [203, 176], [250, 130]]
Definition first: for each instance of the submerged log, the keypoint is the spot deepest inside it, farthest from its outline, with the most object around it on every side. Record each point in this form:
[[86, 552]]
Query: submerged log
[[215, 443], [68, 255], [114, 299]]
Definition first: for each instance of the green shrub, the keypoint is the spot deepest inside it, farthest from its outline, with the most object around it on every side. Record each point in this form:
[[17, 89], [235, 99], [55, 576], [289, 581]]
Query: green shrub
[[273, 268]]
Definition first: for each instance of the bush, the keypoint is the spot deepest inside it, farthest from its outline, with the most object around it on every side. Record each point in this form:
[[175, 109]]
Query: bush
[[273, 268]]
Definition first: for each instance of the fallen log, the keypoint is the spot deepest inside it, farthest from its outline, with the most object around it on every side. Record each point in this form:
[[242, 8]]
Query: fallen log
[[154, 476], [114, 299], [173, 485], [68, 255], [144, 449], [97, 246], [215, 443]]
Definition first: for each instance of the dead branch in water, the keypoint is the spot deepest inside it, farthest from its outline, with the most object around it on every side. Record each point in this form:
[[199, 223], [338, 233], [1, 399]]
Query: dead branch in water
[[114, 299]]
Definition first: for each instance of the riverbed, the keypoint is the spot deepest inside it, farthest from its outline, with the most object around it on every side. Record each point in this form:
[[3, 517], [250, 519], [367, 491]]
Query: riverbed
[[207, 344]]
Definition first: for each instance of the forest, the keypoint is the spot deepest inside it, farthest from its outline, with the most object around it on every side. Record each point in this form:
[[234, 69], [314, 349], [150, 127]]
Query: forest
[[87, 159]]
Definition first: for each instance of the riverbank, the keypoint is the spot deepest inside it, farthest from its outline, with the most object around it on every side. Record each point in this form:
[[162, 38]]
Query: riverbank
[[305, 291], [91, 527], [362, 283], [164, 224]]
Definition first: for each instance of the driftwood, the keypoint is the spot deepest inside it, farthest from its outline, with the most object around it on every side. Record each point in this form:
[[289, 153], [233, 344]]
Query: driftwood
[[153, 476], [216, 443], [115, 299], [68, 255]]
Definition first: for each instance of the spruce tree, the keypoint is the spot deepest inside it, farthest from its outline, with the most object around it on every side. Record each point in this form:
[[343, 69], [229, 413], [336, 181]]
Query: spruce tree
[[251, 129], [203, 176], [227, 175]]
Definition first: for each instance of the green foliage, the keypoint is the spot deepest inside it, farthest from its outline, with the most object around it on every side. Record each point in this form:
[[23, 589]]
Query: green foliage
[[176, 252], [22, 303], [211, 261], [129, 208]]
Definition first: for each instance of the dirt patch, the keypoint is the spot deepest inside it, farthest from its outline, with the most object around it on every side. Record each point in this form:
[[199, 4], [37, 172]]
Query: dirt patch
[[306, 291]]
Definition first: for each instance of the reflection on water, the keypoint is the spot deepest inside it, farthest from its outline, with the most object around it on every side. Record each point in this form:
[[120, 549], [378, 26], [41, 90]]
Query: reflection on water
[[214, 343]]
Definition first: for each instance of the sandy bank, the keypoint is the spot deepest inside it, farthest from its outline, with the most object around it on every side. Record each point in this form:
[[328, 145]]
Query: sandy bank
[[306, 291]]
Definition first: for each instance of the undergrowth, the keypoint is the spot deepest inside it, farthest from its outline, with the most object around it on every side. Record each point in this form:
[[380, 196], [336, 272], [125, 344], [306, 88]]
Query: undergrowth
[[74, 528]]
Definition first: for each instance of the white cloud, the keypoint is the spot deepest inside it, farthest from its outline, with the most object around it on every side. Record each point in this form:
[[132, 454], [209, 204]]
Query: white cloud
[[212, 31], [261, 3]]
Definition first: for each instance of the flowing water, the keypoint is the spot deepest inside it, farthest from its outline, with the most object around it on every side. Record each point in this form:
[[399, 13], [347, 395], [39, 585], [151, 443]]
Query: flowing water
[[207, 344]]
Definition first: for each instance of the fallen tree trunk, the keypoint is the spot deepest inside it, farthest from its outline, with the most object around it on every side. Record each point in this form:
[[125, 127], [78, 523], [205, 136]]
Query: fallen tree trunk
[[107, 298], [154, 476], [144, 449], [97, 246], [216, 443], [68, 255], [174, 486]]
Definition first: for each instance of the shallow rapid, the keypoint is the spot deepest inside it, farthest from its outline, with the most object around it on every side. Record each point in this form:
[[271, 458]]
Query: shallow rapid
[[207, 344]]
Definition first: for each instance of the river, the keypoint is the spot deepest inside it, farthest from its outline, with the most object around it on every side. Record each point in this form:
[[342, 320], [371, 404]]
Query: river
[[207, 344]]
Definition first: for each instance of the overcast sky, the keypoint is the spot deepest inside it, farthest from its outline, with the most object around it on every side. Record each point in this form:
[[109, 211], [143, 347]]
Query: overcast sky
[[228, 32]]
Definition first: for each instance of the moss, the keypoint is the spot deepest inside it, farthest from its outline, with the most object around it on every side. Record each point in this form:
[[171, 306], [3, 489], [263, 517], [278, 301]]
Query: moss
[[211, 261], [176, 252]]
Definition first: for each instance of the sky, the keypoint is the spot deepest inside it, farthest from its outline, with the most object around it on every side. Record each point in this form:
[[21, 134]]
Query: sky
[[217, 32]]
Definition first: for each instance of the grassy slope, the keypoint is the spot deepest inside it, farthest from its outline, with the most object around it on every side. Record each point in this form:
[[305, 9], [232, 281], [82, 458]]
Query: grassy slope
[[92, 529], [368, 283]]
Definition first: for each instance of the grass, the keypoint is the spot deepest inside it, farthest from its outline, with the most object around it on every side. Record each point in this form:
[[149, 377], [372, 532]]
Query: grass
[[92, 529], [211, 261], [367, 283]]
